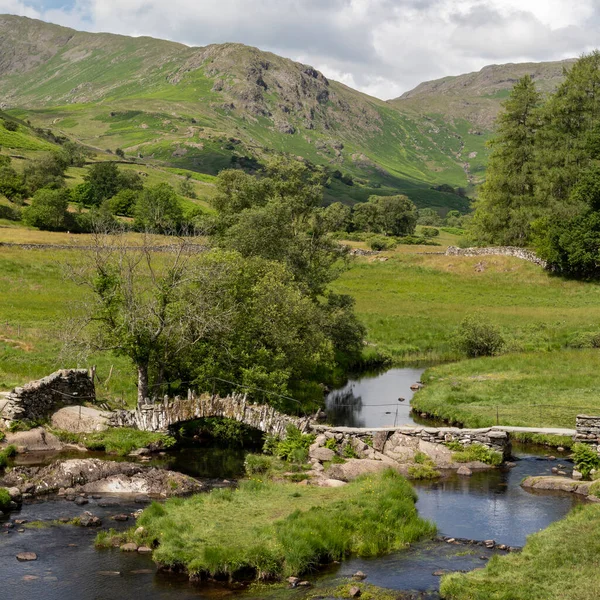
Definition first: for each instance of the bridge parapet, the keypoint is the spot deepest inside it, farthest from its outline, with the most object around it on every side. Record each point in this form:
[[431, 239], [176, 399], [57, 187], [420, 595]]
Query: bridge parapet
[[159, 416]]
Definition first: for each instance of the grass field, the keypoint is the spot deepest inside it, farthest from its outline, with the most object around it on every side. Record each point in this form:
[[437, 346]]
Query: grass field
[[271, 529], [542, 389], [413, 303], [562, 562]]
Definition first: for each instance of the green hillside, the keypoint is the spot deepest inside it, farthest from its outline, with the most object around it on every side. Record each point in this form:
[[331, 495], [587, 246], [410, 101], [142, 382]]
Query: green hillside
[[208, 108]]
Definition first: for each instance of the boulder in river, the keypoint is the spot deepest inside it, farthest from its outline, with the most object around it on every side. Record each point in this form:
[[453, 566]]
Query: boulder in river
[[26, 556], [93, 476]]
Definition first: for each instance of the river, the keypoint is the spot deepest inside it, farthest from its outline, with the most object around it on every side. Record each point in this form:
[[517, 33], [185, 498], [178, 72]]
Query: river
[[488, 505]]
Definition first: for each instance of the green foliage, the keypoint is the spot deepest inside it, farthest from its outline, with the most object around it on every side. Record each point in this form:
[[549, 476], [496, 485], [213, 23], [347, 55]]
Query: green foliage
[[5, 499], [379, 242], [476, 336], [281, 529], [7, 453], [506, 207], [294, 447], [430, 232], [558, 562], [331, 444], [478, 452], [119, 440], [585, 458], [11, 183], [390, 215], [257, 464], [424, 471], [587, 339], [48, 210], [222, 431], [349, 452], [45, 171], [158, 210], [122, 203]]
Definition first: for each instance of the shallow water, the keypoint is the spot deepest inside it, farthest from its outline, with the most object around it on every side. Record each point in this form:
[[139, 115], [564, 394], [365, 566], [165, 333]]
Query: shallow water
[[487, 505], [372, 400]]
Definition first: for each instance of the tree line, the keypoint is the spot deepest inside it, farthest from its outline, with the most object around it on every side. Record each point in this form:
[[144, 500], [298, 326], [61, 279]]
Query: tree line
[[543, 180]]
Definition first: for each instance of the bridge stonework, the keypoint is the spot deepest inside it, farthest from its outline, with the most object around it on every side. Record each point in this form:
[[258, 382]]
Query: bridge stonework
[[159, 416]]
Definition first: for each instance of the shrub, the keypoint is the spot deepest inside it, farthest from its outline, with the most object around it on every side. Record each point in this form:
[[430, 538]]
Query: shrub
[[476, 337], [349, 452], [585, 458], [257, 464], [588, 339], [294, 448], [478, 452], [10, 125], [379, 242], [426, 471], [48, 210], [430, 232]]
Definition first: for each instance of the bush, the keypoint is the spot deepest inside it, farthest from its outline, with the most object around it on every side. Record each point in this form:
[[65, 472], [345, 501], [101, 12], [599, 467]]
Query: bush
[[430, 232], [48, 210], [257, 464], [379, 242], [331, 444], [426, 471], [588, 339], [478, 452], [10, 125], [476, 337], [585, 458], [294, 448]]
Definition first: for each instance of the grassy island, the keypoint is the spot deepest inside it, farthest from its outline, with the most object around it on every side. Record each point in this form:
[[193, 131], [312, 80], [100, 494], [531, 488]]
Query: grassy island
[[265, 530]]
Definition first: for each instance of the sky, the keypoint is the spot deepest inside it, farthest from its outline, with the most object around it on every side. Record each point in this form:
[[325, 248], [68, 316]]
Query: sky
[[381, 47]]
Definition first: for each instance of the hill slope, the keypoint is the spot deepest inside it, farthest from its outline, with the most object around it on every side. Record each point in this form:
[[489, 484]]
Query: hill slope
[[205, 109], [208, 108]]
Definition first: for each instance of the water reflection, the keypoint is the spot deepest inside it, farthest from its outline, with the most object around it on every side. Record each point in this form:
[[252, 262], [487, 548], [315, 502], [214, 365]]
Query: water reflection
[[373, 400]]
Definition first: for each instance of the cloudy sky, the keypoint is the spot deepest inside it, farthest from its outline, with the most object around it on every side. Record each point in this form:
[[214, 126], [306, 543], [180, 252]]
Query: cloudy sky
[[382, 47]]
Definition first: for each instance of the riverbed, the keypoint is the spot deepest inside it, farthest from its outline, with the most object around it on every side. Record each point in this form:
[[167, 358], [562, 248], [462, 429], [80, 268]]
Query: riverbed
[[487, 505]]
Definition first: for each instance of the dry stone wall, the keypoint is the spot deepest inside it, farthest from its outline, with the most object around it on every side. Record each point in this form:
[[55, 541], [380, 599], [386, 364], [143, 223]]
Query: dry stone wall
[[588, 431], [521, 253], [38, 399], [489, 437]]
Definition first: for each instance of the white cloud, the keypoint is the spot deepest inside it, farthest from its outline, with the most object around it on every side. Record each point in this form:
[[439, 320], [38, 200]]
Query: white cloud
[[382, 47]]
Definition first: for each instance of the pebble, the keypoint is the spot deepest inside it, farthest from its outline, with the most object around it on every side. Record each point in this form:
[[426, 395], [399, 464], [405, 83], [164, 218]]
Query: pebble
[[129, 547], [552, 458], [438, 573], [560, 449], [293, 581], [120, 517], [359, 575], [305, 584], [484, 557], [29, 577], [354, 592], [144, 550], [26, 556], [81, 501], [109, 573]]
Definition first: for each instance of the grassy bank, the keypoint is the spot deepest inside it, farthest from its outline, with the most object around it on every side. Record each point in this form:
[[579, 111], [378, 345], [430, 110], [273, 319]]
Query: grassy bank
[[413, 303], [264, 529], [120, 441], [528, 389], [561, 562]]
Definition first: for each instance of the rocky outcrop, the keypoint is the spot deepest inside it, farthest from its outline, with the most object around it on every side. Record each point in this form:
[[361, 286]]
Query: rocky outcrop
[[560, 484], [34, 440], [98, 476], [38, 399], [80, 419], [521, 253]]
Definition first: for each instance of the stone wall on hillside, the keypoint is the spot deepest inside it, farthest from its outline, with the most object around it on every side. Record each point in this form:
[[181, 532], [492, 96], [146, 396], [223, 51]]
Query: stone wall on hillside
[[38, 399], [588, 430], [521, 253]]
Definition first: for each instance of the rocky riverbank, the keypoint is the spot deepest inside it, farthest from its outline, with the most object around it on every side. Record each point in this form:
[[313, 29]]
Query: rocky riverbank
[[99, 477], [586, 489]]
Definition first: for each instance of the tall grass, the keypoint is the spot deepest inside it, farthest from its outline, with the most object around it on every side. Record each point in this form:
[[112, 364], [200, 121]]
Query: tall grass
[[266, 530]]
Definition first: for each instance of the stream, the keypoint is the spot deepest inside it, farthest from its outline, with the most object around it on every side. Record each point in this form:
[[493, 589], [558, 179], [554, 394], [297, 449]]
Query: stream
[[487, 505]]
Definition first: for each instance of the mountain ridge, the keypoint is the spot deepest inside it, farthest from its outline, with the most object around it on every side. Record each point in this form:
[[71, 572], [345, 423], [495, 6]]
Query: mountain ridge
[[205, 108]]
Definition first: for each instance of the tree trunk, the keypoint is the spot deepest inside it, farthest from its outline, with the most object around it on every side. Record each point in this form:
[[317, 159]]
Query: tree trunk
[[143, 387]]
